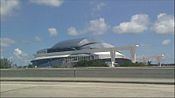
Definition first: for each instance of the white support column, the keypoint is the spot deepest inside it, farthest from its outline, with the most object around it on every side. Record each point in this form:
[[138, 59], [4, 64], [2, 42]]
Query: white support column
[[158, 58], [112, 54], [133, 53]]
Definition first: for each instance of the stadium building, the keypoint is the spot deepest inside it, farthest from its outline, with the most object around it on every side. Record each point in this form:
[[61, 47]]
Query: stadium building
[[67, 53]]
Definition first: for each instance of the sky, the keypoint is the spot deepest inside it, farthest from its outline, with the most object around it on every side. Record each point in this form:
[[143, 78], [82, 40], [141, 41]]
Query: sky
[[30, 25]]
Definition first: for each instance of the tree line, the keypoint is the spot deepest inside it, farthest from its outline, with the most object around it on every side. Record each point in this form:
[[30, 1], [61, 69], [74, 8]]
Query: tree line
[[5, 63]]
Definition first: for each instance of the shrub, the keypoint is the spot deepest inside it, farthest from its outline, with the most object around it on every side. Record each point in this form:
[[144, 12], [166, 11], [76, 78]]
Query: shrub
[[91, 63], [130, 64], [31, 66]]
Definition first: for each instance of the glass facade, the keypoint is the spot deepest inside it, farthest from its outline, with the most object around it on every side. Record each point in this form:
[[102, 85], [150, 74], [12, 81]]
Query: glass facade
[[65, 61]]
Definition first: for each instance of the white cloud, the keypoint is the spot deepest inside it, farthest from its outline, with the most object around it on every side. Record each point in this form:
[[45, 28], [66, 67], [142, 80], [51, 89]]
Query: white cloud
[[164, 24], [6, 42], [53, 32], [19, 53], [72, 31], [97, 26], [54, 3], [20, 57], [8, 7], [166, 42], [137, 24]]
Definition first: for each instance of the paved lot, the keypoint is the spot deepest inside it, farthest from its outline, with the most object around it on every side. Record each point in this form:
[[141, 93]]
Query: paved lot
[[80, 89]]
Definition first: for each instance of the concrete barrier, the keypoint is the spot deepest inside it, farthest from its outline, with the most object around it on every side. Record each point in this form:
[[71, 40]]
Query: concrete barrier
[[37, 73], [127, 72]]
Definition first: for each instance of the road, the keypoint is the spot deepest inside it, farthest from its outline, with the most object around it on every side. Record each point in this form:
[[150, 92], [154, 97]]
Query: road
[[80, 89]]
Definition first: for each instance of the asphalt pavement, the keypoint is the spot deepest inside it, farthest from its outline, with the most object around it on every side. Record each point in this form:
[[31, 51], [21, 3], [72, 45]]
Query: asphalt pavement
[[81, 89]]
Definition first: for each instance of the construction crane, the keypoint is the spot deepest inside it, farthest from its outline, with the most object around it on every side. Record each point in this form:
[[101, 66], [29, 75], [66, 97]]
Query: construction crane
[[157, 58], [132, 49]]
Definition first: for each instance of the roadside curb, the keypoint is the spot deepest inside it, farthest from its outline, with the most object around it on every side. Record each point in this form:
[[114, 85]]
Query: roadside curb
[[97, 81]]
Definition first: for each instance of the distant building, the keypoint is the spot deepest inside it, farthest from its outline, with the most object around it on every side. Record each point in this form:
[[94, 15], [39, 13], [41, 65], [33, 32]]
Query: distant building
[[68, 52]]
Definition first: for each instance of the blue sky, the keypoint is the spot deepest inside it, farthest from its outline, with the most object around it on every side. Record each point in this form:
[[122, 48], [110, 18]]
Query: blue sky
[[31, 25]]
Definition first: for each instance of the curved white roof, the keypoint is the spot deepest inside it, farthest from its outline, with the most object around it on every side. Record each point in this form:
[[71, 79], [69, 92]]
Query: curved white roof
[[81, 46], [82, 43]]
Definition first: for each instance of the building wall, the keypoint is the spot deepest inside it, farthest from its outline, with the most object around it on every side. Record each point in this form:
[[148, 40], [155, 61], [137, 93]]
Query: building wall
[[70, 61]]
